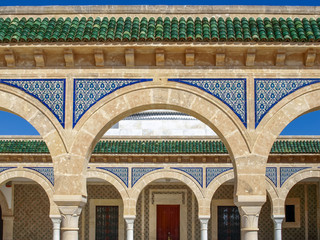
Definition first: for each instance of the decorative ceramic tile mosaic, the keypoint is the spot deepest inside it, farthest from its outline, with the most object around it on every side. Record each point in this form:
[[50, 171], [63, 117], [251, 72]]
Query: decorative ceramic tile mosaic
[[286, 172], [45, 171], [88, 92], [271, 173], [232, 92], [120, 172], [50, 92], [268, 92], [2, 169], [213, 172], [139, 172], [195, 172]]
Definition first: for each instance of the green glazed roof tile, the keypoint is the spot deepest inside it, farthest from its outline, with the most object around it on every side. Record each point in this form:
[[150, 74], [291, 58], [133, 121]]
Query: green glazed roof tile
[[161, 147]]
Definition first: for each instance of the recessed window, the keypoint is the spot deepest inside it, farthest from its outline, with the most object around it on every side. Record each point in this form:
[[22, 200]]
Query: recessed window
[[290, 213]]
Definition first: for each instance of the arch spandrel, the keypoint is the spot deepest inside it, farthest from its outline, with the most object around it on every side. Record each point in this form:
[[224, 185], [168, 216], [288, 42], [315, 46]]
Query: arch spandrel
[[289, 108], [188, 100], [22, 104]]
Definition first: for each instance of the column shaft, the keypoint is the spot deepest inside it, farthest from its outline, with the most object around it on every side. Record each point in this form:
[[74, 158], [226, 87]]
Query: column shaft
[[7, 227], [204, 227], [277, 220], [56, 220], [130, 225]]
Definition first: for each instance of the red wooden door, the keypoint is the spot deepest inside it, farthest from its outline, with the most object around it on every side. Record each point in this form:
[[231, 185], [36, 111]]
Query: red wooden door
[[168, 222]]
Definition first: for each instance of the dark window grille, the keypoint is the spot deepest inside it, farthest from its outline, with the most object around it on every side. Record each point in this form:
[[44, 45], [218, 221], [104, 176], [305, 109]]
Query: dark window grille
[[107, 220], [228, 223]]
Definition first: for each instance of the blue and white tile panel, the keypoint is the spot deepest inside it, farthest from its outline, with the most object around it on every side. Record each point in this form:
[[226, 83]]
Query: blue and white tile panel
[[195, 172], [286, 172], [120, 172], [232, 92], [50, 92], [47, 172], [270, 91], [271, 173], [213, 172], [139, 172], [88, 92]]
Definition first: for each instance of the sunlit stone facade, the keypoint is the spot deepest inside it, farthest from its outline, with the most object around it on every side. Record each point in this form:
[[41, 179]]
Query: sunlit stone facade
[[75, 72]]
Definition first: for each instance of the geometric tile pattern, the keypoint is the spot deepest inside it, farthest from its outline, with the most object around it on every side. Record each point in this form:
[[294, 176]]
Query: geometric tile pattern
[[271, 173], [50, 92], [232, 92], [31, 213], [213, 172], [195, 172], [139, 172], [268, 92], [120, 172], [87, 92], [5, 168], [286, 172], [45, 171]]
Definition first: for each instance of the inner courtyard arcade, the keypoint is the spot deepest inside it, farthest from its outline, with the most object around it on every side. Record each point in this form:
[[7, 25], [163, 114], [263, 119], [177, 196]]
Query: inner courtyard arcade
[[73, 73]]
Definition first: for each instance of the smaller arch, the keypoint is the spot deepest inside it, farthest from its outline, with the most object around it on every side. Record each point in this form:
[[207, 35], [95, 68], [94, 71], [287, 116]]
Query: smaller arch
[[217, 182], [228, 176], [167, 173], [295, 178], [110, 178], [36, 177]]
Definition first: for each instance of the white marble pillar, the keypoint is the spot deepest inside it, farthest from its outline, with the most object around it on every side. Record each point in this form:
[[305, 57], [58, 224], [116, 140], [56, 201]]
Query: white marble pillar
[[249, 222], [277, 220], [204, 227], [7, 227], [56, 220], [70, 222], [130, 224]]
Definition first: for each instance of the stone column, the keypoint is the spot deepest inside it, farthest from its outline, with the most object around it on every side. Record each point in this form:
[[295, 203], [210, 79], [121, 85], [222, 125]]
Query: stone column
[[204, 227], [277, 220], [249, 209], [70, 208], [56, 220], [130, 224], [7, 227]]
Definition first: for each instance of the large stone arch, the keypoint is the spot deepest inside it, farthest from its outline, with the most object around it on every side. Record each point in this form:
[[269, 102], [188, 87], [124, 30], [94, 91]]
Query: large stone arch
[[112, 179], [33, 111], [291, 107], [36, 177], [139, 97]]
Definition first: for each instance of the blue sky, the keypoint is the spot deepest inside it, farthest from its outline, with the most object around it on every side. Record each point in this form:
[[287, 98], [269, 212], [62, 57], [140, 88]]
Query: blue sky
[[305, 125]]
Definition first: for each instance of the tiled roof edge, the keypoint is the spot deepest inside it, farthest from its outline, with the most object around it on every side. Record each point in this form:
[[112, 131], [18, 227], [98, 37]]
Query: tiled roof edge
[[158, 9]]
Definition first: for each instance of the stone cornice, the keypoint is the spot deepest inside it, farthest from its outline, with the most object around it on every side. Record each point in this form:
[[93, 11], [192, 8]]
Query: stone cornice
[[159, 9]]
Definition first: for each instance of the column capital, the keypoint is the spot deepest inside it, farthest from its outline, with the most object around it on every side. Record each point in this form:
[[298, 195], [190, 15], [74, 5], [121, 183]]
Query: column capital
[[249, 209]]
